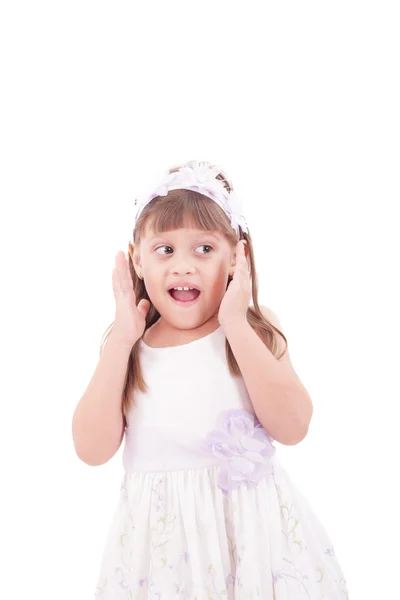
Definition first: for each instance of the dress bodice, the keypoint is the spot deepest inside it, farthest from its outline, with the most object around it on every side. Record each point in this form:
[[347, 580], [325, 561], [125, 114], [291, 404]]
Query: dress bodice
[[189, 386]]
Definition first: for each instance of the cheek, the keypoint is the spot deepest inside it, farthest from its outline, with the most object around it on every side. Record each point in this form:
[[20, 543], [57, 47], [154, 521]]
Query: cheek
[[153, 279], [221, 277], [223, 269]]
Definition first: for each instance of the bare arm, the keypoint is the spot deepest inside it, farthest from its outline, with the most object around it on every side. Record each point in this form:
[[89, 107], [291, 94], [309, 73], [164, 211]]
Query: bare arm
[[98, 423], [280, 400]]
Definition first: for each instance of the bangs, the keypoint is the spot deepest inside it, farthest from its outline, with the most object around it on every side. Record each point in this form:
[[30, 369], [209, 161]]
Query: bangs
[[184, 209]]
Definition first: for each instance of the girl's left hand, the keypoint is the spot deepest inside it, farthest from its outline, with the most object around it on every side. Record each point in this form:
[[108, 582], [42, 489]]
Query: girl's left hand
[[236, 300]]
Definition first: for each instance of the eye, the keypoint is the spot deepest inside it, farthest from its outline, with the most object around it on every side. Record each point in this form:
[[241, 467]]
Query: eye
[[201, 246], [161, 247], [205, 246]]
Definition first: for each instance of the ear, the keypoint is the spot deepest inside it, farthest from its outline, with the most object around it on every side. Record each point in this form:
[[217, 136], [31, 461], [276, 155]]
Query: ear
[[135, 257]]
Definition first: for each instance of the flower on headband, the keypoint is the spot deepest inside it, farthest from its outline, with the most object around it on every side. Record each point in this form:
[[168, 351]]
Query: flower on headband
[[235, 210], [162, 190], [198, 176], [169, 179], [200, 173]]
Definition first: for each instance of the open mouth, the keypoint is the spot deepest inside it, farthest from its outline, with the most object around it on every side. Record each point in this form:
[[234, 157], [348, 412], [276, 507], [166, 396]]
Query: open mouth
[[184, 297]]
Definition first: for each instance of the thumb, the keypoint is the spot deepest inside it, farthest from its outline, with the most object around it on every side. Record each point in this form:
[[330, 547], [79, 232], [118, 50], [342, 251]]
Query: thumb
[[143, 306]]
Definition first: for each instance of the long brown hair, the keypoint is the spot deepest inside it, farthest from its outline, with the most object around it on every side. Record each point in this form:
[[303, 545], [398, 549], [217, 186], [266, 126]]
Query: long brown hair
[[174, 211]]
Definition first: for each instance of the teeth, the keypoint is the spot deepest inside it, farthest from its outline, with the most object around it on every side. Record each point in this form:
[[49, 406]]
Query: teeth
[[183, 288]]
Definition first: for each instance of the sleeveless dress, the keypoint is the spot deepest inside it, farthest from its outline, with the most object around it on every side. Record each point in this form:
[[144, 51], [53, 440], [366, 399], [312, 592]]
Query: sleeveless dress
[[206, 511]]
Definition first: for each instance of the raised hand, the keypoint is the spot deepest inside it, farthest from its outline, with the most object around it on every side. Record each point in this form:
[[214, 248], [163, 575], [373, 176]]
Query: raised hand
[[130, 320], [236, 300]]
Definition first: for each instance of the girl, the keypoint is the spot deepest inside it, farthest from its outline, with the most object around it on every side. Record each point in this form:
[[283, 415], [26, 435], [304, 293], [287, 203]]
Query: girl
[[206, 511]]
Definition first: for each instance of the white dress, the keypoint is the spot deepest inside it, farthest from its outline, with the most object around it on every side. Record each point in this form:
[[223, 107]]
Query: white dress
[[206, 511]]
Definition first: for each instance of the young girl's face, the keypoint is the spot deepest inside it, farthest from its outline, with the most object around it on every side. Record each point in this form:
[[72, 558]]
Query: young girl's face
[[202, 259]]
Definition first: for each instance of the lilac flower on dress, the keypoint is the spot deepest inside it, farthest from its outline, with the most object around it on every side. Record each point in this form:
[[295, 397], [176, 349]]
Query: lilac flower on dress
[[243, 446]]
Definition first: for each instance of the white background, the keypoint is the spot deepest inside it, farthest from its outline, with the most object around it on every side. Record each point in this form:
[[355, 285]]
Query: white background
[[299, 103]]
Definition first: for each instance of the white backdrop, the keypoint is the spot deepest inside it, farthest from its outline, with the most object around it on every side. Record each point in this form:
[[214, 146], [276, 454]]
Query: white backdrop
[[298, 102]]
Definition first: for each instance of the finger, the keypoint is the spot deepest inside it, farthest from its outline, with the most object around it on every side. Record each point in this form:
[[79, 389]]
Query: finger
[[241, 250], [127, 282], [127, 262], [242, 259], [115, 283], [117, 280], [243, 272], [124, 276], [240, 274]]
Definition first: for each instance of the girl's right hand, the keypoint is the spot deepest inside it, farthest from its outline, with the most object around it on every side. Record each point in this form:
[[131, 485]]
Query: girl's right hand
[[130, 320]]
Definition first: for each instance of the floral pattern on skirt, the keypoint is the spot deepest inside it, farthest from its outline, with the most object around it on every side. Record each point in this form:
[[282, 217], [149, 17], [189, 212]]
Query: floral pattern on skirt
[[178, 535]]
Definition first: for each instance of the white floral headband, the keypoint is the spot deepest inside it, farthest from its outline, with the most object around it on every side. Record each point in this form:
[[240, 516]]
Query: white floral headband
[[200, 177]]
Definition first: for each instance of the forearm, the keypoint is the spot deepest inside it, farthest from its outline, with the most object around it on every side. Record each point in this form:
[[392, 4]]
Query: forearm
[[97, 425], [280, 401]]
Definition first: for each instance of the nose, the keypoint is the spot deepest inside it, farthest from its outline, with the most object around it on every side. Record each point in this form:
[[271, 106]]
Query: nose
[[183, 269], [183, 264]]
